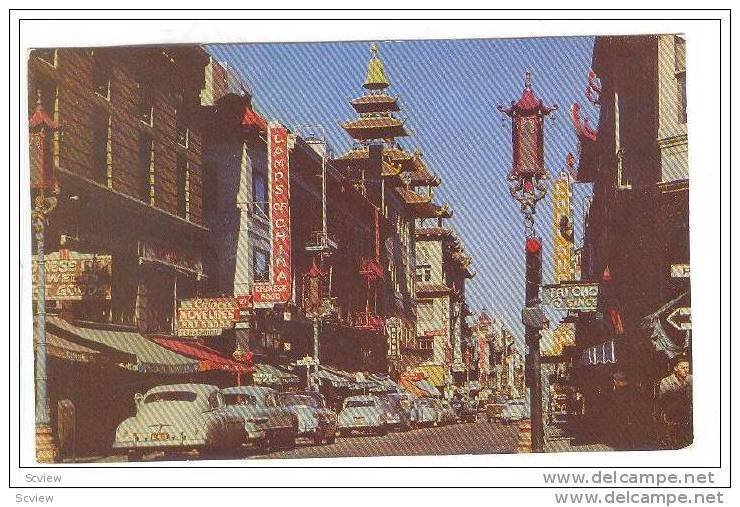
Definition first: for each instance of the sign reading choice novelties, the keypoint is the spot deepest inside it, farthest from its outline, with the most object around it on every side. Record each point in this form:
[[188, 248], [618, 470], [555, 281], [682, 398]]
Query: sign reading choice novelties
[[278, 289], [206, 316], [572, 296]]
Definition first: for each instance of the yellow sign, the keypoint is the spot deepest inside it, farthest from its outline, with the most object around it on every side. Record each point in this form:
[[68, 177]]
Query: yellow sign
[[74, 276]]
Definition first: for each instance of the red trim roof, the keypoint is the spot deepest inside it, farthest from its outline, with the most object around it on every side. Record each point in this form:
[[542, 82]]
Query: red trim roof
[[208, 358], [252, 119]]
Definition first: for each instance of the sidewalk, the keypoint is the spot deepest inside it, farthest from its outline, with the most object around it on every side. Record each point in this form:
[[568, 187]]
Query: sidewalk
[[562, 435]]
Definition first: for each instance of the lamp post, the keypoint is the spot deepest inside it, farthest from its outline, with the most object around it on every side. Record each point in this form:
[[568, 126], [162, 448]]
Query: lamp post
[[44, 186], [527, 188]]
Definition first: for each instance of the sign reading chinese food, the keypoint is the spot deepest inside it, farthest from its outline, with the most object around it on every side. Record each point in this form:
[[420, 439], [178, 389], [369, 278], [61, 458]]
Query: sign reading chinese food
[[206, 316], [74, 276], [278, 289], [572, 296]]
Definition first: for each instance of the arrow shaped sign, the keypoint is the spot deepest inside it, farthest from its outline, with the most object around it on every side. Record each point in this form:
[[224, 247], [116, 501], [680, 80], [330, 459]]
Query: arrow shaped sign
[[680, 318]]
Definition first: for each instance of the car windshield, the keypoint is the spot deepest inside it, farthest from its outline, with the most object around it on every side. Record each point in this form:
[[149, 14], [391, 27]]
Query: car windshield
[[240, 399], [296, 399], [358, 403], [171, 396]]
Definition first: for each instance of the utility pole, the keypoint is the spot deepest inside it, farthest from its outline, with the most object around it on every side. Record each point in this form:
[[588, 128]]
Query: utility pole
[[44, 183], [527, 188]]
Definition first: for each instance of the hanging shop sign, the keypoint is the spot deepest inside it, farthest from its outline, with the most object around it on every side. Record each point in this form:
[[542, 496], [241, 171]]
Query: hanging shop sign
[[680, 271], [278, 289], [170, 257], [74, 276], [572, 296], [393, 328], [206, 316]]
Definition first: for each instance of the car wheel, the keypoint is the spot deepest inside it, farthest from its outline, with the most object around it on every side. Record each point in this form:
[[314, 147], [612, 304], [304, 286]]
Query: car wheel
[[288, 440]]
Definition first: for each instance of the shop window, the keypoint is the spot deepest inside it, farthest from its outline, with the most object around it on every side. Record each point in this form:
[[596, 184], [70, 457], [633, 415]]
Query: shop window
[[679, 45], [183, 187], [101, 75], [146, 156], [261, 265], [101, 149]]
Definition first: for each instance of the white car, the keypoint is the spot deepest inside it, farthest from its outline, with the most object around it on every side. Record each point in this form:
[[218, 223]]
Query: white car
[[363, 413], [180, 417], [315, 420], [266, 423], [514, 410]]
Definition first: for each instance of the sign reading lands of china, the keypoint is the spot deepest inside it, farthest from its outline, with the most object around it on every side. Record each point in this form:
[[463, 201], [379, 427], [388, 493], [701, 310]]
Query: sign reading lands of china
[[206, 316], [74, 276], [278, 289], [572, 296]]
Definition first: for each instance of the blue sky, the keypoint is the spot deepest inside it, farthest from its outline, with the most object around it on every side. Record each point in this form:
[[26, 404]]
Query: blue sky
[[448, 91]]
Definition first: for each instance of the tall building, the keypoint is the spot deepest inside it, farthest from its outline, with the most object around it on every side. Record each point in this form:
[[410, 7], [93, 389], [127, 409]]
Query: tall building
[[636, 233], [126, 238], [379, 168]]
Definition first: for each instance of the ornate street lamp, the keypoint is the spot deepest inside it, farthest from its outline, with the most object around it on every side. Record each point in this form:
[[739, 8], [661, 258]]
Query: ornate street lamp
[[527, 188], [44, 190]]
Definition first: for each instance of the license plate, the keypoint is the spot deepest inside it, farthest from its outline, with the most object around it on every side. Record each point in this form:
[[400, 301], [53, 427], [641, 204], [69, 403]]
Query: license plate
[[359, 418], [160, 436]]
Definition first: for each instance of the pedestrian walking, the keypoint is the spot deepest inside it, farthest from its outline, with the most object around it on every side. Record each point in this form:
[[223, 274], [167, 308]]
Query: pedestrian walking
[[676, 401]]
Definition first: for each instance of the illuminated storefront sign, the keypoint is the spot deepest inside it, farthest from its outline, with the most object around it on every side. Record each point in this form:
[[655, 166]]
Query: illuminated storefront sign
[[572, 296], [206, 316], [278, 289]]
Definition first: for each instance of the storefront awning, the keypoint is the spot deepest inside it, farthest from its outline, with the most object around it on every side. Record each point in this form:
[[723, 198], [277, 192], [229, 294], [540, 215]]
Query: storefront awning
[[61, 348], [335, 380], [128, 349], [653, 323], [267, 374], [427, 386], [434, 373], [604, 353], [208, 359]]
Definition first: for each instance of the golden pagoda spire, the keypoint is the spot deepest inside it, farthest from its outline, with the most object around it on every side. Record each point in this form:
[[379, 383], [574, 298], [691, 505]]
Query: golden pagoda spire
[[375, 79]]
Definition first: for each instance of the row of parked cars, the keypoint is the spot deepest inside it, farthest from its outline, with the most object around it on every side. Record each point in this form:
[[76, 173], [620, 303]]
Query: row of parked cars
[[219, 421]]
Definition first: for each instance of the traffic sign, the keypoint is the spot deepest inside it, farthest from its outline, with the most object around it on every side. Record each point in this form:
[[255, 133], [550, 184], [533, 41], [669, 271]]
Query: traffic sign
[[307, 361], [680, 318]]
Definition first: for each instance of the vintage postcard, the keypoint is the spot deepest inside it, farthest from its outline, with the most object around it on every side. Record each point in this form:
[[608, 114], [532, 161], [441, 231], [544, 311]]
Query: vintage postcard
[[360, 248]]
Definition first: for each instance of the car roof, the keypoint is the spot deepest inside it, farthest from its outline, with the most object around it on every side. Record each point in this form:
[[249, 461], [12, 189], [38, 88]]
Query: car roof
[[363, 397], [248, 390], [196, 388]]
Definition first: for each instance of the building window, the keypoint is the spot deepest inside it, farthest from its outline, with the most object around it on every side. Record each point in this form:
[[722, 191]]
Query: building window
[[259, 192], [102, 160], [679, 45], [183, 133], [146, 157], [425, 342], [146, 105], [101, 75], [261, 265], [47, 56], [424, 273], [183, 187]]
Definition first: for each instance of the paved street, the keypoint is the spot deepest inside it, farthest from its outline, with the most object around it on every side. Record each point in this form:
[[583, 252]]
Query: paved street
[[464, 438]]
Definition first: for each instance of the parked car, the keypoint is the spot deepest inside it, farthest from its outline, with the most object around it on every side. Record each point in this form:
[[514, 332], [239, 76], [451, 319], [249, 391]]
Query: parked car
[[363, 413], [465, 409], [447, 414], [180, 417], [426, 412], [315, 420], [266, 423], [514, 410], [399, 413]]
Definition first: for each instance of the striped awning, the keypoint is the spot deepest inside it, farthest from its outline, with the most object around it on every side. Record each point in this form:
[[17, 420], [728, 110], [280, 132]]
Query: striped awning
[[127, 349]]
